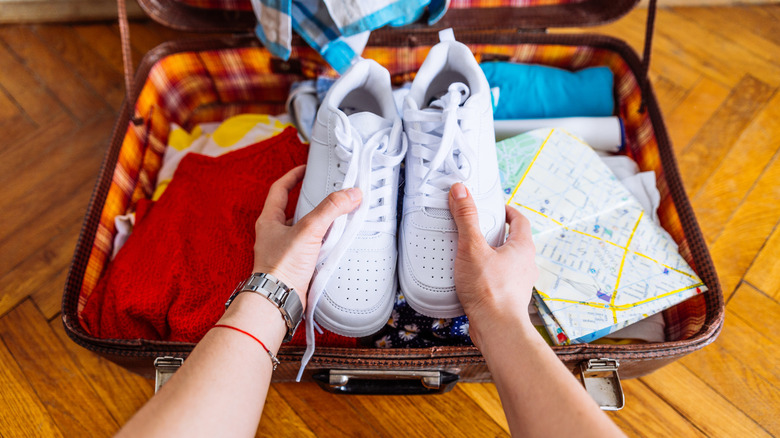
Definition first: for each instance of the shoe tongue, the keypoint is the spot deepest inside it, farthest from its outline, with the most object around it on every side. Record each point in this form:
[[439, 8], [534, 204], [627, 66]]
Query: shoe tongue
[[367, 124], [441, 100]]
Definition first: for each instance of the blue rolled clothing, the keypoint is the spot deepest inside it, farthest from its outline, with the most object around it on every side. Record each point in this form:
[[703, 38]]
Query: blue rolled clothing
[[528, 91]]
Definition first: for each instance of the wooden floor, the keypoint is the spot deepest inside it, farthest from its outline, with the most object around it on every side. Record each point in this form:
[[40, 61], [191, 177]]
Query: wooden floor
[[717, 75]]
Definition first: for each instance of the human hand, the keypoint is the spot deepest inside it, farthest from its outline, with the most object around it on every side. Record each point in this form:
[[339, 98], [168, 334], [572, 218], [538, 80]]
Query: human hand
[[289, 252], [491, 283]]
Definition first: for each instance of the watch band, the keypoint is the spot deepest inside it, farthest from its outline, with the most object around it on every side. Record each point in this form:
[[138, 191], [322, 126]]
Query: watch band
[[282, 296]]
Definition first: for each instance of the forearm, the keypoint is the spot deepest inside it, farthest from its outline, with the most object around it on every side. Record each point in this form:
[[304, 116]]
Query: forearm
[[222, 386], [540, 396]]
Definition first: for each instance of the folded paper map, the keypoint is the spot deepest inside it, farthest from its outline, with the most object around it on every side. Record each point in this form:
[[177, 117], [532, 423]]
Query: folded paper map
[[603, 263]]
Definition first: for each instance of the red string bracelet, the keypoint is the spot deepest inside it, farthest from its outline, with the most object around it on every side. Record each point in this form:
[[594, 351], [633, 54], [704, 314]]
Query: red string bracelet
[[274, 360]]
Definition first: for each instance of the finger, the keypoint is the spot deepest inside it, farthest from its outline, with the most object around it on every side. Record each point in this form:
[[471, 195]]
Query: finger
[[276, 201], [335, 205], [464, 211], [519, 227]]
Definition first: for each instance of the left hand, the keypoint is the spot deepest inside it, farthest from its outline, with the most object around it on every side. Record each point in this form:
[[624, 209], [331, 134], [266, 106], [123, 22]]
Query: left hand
[[289, 252]]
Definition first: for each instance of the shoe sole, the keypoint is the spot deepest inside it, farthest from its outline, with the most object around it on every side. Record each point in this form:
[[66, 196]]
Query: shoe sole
[[418, 305], [340, 329]]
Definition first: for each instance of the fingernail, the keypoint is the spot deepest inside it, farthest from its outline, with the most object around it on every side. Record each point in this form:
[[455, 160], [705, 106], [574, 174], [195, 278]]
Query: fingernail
[[459, 191], [354, 194]]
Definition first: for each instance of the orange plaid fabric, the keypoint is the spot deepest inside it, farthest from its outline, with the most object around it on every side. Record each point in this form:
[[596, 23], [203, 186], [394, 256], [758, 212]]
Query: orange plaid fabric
[[195, 87], [246, 5]]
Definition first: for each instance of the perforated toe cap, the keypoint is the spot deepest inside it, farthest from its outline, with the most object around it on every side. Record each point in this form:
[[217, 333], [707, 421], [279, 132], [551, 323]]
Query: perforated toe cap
[[359, 296]]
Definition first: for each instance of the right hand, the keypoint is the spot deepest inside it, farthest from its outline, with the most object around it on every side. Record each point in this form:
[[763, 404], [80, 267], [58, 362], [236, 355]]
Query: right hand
[[491, 283]]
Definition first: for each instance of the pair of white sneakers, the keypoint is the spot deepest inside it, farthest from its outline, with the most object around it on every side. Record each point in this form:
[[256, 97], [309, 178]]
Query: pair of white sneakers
[[359, 140]]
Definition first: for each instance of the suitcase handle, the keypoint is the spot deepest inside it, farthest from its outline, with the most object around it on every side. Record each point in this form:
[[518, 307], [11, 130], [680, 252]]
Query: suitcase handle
[[376, 382]]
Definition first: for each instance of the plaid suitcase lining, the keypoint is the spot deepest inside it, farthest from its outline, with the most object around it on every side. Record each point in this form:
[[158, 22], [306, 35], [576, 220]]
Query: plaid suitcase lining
[[245, 5], [194, 87]]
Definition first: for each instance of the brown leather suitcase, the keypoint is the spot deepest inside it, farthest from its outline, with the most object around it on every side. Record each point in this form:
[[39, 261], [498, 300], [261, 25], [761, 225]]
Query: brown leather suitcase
[[505, 32]]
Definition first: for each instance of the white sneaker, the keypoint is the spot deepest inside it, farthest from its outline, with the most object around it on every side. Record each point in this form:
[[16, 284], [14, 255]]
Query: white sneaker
[[357, 141], [448, 118]]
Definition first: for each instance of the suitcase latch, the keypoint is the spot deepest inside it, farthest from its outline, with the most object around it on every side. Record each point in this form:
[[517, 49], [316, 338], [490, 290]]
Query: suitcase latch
[[600, 379], [164, 367]]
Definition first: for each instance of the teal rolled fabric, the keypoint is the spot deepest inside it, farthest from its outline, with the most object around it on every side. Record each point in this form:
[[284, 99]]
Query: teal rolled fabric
[[528, 91]]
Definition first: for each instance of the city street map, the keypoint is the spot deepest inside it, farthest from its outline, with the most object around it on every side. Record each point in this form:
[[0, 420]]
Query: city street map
[[603, 263]]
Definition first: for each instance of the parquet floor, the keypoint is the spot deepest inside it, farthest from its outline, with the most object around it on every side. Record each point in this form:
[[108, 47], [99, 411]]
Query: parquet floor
[[717, 74]]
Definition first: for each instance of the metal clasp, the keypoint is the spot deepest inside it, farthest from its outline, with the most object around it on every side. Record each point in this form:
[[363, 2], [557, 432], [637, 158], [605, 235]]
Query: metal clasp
[[164, 367], [600, 378]]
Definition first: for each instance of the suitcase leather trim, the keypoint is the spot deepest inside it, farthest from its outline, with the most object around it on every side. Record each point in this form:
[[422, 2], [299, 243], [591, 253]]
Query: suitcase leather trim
[[636, 359]]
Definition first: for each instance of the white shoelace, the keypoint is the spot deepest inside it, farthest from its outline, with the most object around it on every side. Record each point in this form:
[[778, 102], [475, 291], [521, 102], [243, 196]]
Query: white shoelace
[[368, 166], [446, 155]]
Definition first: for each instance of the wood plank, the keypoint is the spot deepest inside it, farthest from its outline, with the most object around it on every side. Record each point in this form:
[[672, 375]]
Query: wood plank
[[15, 129], [280, 419], [85, 61], [485, 395], [455, 414], [668, 93], [34, 11], [669, 58], [699, 105], [755, 396], [758, 310], [8, 108], [324, 413], [34, 98], [42, 274], [745, 161], [71, 90], [51, 371], [146, 35], [25, 242], [121, 391], [631, 30], [33, 195], [772, 11], [739, 338], [18, 154], [646, 414], [384, 412], [725, 22], [764, 273], [104, 39], [714, 52], [700, 404], [49, 300], [745, 232], [706, 151], [24, 414]]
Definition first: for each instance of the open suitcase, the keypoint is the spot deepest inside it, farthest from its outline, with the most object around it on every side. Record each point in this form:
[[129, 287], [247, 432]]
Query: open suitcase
[[212, 78]]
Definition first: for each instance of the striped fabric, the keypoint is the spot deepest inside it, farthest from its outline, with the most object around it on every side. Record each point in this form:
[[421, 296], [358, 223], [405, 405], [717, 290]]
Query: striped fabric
[[246, 5], [190, 88], [337, 29]]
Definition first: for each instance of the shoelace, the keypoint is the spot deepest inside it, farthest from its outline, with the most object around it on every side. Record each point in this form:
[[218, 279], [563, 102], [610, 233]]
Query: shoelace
[[445, 152], [368, 166]]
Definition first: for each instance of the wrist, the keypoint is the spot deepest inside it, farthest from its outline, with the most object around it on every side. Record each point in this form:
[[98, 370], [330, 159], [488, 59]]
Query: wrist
[[286, 279], [258, 316], [494, 330]]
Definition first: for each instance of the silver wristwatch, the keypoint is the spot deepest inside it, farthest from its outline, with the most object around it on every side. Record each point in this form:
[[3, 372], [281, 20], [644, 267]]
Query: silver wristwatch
[[283, 297]]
